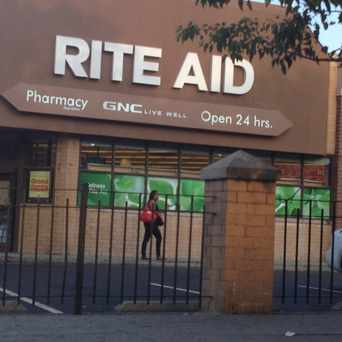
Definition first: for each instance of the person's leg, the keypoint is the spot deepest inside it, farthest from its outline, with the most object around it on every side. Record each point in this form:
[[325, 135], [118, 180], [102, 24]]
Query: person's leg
[[147, 237], [158, 236]]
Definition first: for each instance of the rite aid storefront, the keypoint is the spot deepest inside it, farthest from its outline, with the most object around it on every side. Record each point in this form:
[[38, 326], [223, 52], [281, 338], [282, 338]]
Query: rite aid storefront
[[103, 94]]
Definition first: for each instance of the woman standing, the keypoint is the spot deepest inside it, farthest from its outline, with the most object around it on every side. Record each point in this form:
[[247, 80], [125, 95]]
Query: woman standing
[[152, 227]]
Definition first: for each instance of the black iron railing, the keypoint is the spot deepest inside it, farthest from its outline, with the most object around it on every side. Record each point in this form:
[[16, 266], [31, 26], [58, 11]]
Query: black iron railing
[[308, 256], [69, 257]]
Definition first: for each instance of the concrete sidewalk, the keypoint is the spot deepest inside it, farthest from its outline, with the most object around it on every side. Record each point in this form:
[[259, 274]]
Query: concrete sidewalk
[[170, 328]]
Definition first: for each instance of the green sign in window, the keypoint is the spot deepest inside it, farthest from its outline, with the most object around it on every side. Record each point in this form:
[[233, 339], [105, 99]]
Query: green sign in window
[[129, 189], [99, 188], [319, 199], [191, 191], [291, 194]]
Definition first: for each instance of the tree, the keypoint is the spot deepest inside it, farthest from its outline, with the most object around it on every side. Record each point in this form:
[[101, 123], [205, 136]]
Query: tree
[[284, 39]]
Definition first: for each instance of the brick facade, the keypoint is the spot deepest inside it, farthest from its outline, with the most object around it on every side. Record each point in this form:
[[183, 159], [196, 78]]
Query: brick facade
[[59, 235], [55, 220], [338, 163]]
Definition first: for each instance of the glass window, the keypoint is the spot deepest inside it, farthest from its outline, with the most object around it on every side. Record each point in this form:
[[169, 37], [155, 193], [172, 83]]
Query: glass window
[[129, 159], [316, 172], [192, 163], [191, 195], [319, 199], [162, 162], [39, 185], [218, 155], [96, 157], [129, 189], [291, 194], [165, 186], [290, 170], [99, 188], [42, 153]]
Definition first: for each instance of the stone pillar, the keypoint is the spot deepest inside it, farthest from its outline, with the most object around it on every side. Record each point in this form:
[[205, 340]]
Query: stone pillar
[[66, 185], [239, 235], [67, 170]]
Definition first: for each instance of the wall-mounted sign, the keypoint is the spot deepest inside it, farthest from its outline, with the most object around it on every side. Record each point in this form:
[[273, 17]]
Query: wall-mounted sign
[[146, 110], [111, 71], [39, 185], [191, 71]]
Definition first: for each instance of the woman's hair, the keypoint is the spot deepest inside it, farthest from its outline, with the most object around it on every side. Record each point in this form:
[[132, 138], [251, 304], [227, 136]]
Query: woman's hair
[[152, 194]]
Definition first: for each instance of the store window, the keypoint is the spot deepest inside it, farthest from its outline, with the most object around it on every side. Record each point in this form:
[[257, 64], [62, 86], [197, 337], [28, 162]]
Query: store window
[[129, 159], [192, 162], [42, 153], [316, 172], [290, 196], [129, 189], [290, 170], [163, 162], [304, 184], [39, 171], [96, 157], [100, 194], [191, 195], [126, 173], [167, 188]]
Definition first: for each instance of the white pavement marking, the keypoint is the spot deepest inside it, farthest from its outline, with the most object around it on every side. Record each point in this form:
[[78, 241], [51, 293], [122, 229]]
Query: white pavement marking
[[177, 288], [322, 289], [30, 301]]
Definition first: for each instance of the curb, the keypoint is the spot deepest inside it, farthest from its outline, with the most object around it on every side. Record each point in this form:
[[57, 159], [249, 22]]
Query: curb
[[156, 307], [12, 307]]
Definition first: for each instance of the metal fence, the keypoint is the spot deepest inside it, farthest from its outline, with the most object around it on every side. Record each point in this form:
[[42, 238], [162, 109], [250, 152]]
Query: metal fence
[[75, 258], [308, 257]]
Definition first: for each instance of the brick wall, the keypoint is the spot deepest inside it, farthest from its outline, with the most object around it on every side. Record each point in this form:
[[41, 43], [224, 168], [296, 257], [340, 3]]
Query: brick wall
[[303, 243], [59, 234], [103, 221]]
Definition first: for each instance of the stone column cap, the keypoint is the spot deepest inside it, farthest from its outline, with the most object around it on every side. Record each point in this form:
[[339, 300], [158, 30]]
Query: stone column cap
[[240, 165]]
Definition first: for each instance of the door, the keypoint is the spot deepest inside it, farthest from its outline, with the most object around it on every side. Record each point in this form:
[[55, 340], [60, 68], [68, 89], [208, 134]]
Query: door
[[6, 210]]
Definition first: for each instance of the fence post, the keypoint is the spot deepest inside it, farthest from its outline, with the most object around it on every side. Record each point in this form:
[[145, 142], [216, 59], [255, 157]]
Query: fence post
[[239, 239], [80, 249]]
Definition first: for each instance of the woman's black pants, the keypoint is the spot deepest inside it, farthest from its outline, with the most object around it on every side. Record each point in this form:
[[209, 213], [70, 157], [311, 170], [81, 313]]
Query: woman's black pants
[[151, 228]]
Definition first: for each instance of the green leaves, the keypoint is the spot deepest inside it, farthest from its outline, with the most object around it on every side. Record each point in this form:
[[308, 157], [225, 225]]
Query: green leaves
[[283, 39]]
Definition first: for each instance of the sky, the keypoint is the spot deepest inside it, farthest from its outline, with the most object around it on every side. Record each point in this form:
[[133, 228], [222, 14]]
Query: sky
[[331, 38]]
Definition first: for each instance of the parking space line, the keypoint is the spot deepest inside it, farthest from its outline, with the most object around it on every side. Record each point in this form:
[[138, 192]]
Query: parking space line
[[322, 289], [30, 301], [177, 288]]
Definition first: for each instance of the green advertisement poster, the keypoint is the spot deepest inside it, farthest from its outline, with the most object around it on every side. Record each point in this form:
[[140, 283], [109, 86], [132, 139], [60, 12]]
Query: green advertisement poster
[[293, 196], [99, 188], [192, 190], [320, 200], [165, 186], [129, 189]]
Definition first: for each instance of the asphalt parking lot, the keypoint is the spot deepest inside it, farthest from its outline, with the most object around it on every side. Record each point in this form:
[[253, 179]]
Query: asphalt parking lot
[[102, 293], [98, 294]]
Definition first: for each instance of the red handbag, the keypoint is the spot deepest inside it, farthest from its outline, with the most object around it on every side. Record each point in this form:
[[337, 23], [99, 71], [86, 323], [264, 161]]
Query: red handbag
[[146, 216]]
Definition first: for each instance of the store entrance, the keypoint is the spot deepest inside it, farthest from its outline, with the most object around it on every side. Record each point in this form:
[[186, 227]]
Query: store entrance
[[6, 211]]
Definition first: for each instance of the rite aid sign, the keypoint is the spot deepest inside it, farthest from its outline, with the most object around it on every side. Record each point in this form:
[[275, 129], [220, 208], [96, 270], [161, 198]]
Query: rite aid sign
[[190, 73], [85, 61]]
